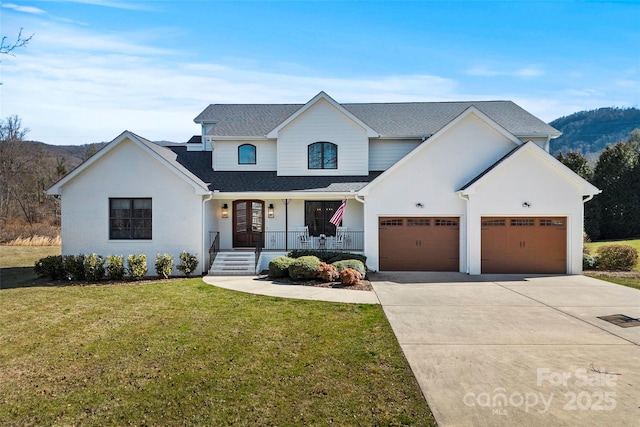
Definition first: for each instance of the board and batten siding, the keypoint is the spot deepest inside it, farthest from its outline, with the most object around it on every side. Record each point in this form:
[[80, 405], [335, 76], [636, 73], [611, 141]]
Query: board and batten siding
[[383, 153], [225, 156], [323, 122]]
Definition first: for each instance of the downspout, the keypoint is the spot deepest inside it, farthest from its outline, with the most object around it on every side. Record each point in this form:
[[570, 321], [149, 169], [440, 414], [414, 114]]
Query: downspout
[[205, 251], [588, 198], [466, 221]]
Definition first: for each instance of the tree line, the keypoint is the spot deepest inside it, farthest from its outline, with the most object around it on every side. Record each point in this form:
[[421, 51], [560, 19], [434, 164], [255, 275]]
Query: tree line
[[615, 213], [27, 169]]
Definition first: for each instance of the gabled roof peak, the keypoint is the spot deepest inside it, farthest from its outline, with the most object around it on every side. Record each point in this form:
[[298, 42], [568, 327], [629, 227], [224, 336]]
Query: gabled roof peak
[[387, 119]]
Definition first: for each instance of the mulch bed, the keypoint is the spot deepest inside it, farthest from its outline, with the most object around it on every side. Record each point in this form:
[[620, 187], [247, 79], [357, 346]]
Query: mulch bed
[[362, 285]]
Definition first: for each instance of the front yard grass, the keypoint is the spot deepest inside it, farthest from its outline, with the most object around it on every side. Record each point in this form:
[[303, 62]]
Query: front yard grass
[[186, 353], [16, 263]]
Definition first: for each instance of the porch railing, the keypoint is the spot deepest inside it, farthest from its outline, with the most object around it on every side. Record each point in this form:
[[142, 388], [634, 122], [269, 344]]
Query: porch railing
[[214, 248], [353, 241]]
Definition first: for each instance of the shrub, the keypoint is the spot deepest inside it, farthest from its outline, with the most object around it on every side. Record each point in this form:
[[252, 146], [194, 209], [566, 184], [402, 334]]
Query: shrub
[[115, 267], [344, 256], [137, 266], [617, 257], [73, 267], [304, 268], [589, 262], [351, 263], [327, 272], [164, 265], [349, 276], [279, 267], [188, 263], [51, 267], [326, 256], [94, 267]]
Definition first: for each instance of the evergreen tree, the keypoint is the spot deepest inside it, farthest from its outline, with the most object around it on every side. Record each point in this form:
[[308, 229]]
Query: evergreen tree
[[577, 163], [614, 175]]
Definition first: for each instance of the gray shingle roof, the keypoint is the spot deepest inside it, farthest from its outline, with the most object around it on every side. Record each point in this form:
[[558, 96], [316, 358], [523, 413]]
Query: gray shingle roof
[[405, 119], [199, 163]]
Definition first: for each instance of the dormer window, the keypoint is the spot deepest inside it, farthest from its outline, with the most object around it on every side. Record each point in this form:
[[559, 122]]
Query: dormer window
[[323, 155], [247, 154]]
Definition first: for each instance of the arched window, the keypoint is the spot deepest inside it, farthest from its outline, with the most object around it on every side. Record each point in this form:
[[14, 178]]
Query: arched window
[[247, 154], [323, 155]]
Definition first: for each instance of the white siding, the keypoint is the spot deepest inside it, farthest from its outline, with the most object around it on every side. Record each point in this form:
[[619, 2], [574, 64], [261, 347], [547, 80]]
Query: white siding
[[383, 153], [431, 176], [530, 178], [128, 171], [323, 122], [225, 156]]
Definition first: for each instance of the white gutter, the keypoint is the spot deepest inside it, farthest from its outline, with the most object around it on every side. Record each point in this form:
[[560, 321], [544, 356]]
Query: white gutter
[[465, 197], [205, 250], [359, 200]]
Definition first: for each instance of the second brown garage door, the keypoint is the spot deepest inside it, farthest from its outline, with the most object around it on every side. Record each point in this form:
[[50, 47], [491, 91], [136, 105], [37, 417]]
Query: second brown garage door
[[524, 245], [419, 244]]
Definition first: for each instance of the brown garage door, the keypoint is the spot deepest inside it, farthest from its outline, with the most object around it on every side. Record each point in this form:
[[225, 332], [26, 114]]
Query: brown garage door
[[524, 245], [419, 244]]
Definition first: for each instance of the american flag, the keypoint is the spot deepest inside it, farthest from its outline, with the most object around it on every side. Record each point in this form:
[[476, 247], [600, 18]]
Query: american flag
[[337, 217]]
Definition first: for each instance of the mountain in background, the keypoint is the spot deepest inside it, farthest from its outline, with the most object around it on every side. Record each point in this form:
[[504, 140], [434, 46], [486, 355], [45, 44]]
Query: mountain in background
[[589, 132]]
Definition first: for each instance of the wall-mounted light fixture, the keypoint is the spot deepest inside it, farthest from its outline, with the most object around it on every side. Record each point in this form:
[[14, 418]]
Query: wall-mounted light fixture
[[270, 210], [419, 205], [526, 205], [225, 211]]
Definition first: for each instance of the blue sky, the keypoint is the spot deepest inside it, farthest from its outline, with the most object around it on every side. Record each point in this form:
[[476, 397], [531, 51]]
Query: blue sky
[[97, 67]]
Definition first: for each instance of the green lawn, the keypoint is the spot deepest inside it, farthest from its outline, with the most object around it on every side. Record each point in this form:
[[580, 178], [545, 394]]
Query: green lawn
[[16, 263], [624, 281], [594, 245], [187, 353]]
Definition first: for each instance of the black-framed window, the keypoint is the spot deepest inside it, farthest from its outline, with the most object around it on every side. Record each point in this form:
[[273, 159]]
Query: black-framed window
[[130, 218], [317, 215], [323, 155], [247, 154]]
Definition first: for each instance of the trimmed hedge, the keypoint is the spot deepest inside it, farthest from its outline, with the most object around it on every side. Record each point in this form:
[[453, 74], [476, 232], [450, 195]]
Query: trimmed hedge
[[51, 267], [304, 268], [279, 267], [326, 256], [617, 257], [351, 263]]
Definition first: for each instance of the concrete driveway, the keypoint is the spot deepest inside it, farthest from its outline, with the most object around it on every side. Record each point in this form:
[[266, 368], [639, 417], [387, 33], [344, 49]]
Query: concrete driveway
[[503, 350]]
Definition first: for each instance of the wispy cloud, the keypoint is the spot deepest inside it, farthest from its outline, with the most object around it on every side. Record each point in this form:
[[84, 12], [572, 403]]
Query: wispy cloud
[[131, 5], [24, 9], [525, 72]]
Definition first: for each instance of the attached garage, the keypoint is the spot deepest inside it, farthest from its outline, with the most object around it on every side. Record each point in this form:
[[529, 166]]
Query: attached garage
[[524, 245], [419, 244]]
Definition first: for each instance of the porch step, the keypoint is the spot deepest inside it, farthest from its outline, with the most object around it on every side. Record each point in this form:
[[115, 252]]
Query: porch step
[[233, 264]]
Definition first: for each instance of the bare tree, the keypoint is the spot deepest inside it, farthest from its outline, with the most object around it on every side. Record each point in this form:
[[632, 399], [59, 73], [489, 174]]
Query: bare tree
[[6, 47]]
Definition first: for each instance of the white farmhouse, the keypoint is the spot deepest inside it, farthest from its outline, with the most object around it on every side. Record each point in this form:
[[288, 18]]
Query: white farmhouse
[[437, 186]]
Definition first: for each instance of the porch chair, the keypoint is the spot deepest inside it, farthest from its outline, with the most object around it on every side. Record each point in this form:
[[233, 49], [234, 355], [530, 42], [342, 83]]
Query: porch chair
[[340, 237], [303, 237]]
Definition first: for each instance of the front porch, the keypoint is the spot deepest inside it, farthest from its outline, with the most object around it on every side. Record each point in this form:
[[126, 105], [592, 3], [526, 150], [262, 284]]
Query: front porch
[[283, 242]]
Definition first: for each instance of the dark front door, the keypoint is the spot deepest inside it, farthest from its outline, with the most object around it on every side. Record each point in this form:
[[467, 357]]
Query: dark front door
[[248, 217]]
